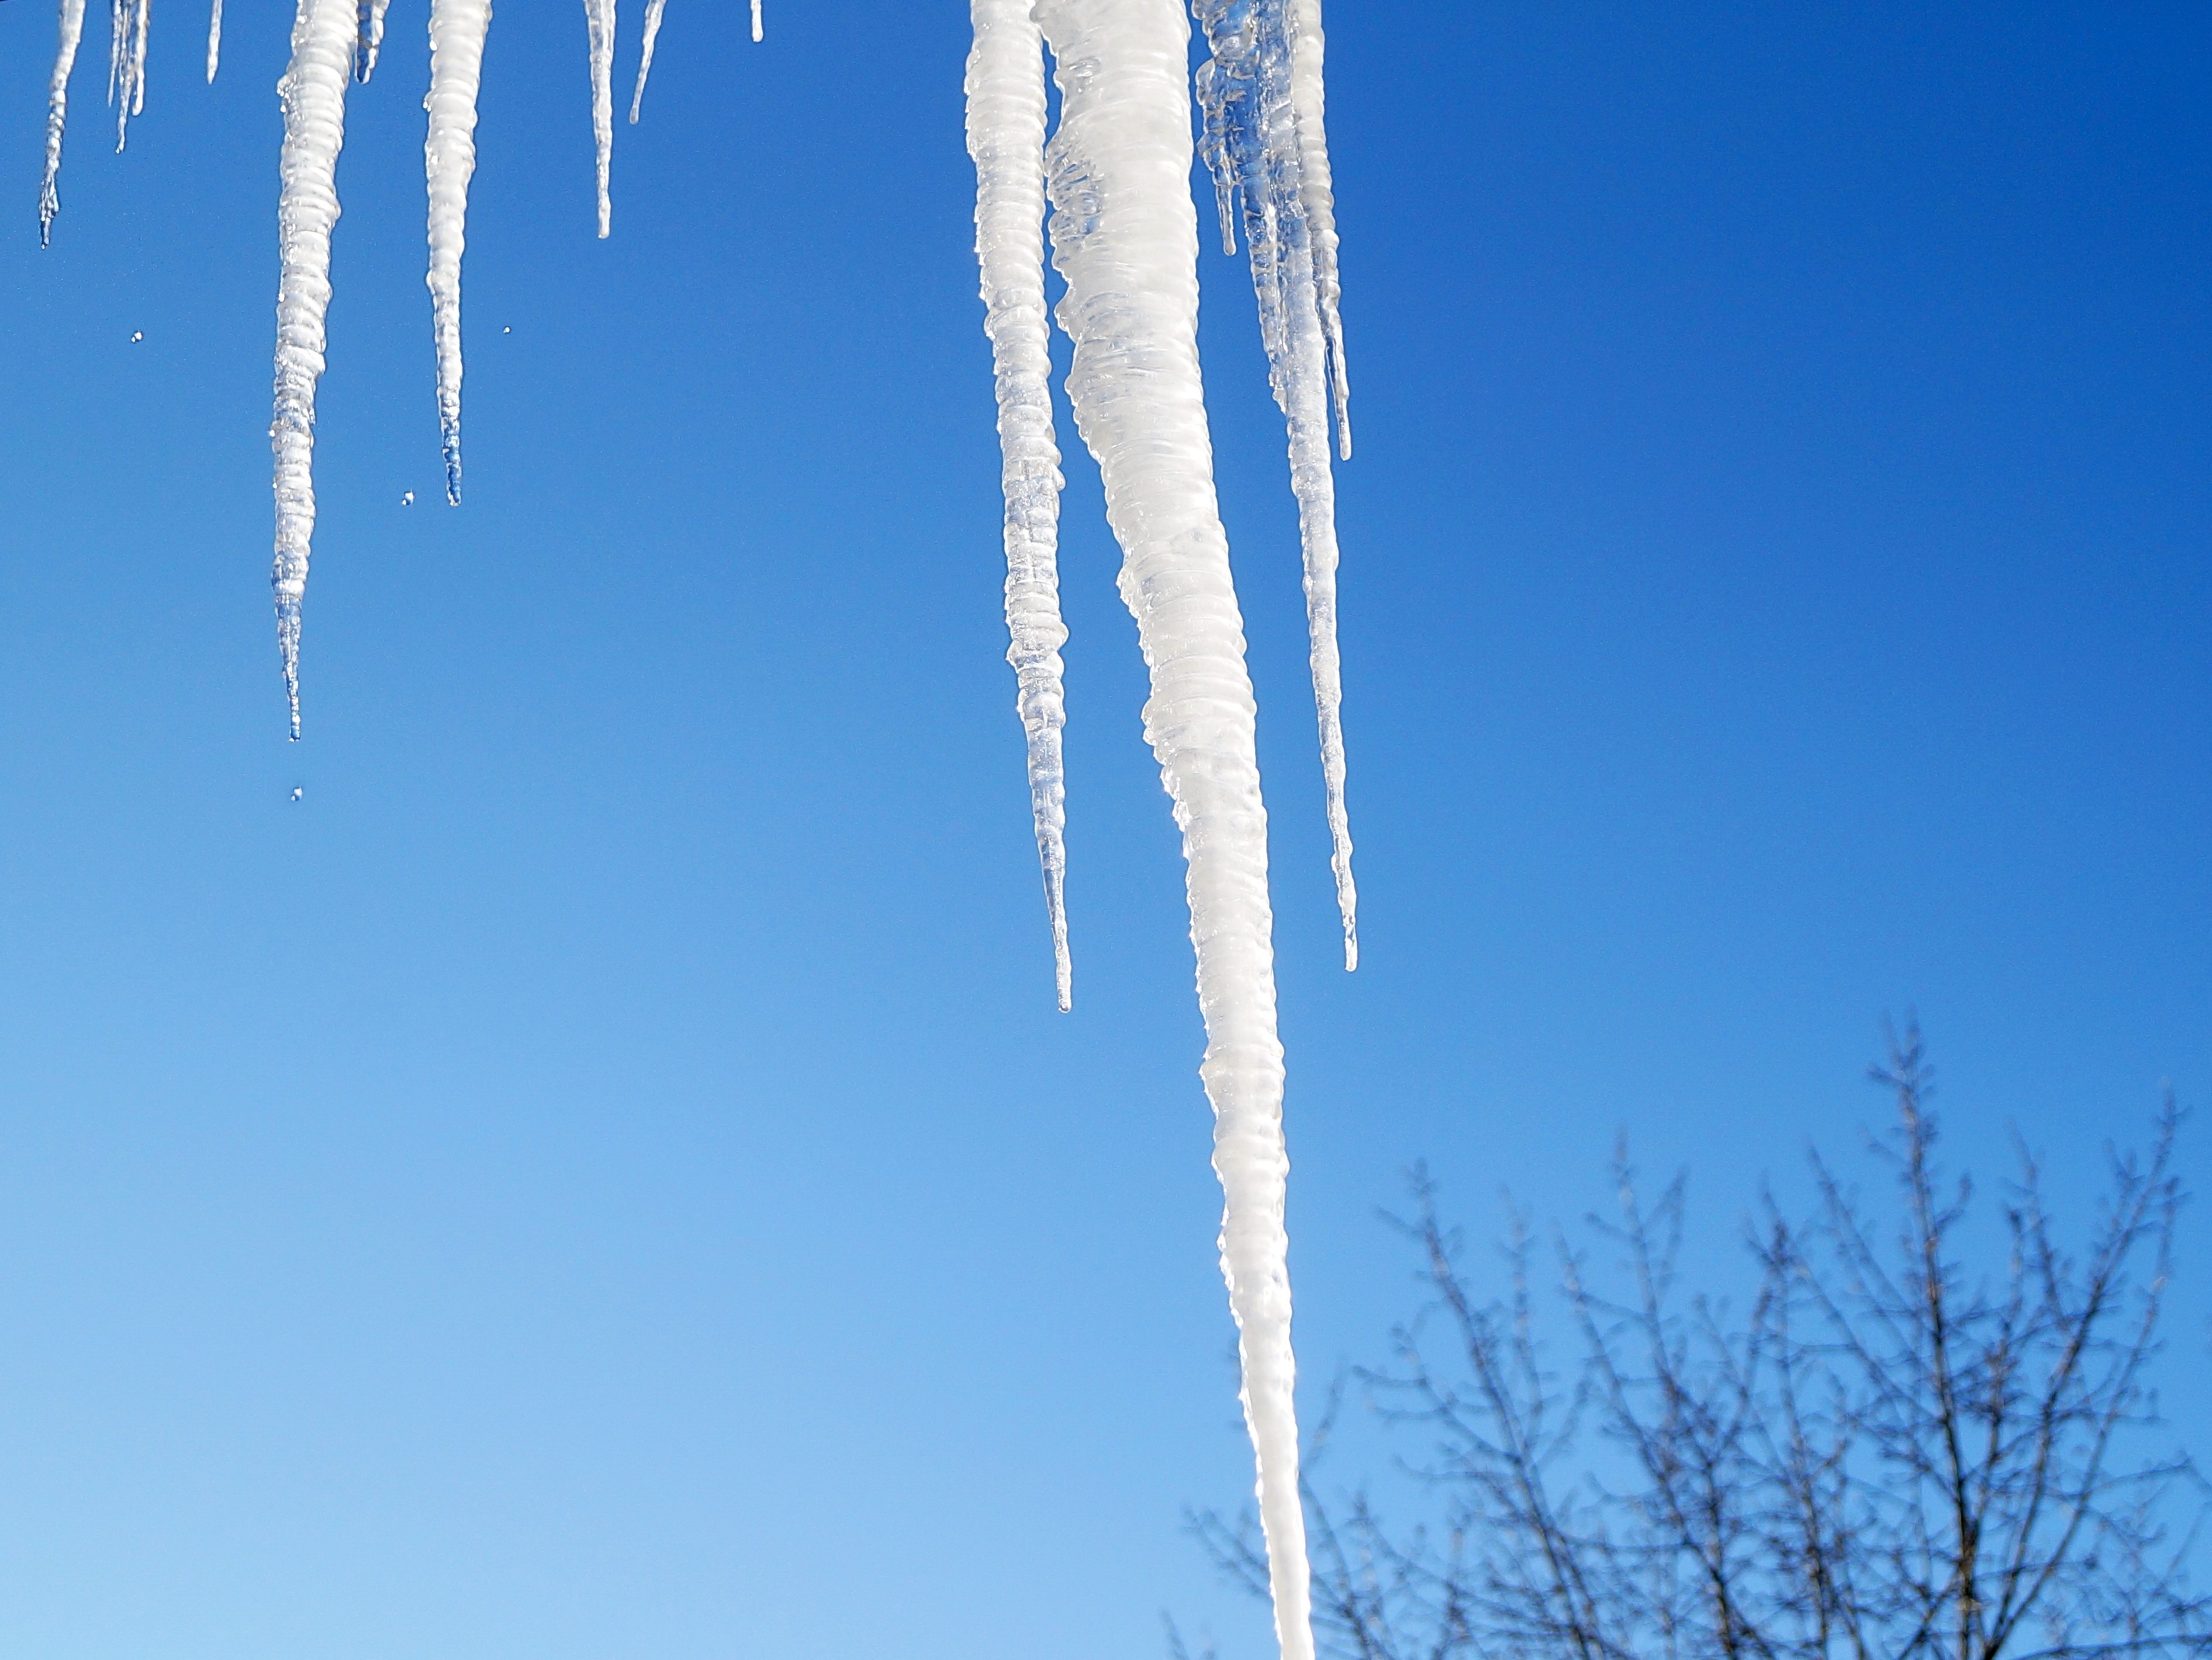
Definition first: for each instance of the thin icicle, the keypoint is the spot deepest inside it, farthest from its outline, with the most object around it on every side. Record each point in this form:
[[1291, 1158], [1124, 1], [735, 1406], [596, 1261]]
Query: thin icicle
[[1006, 137], [599, 20], [449, 156], [645, 61], [1317, 194], [757, 20], [1252, 143], [1124, 237], [70, 32], [369, 38], [126, 63], [215, 38], [313, 94]]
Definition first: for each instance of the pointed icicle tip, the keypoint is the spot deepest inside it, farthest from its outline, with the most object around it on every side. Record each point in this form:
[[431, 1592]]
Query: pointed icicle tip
[[287, 645]]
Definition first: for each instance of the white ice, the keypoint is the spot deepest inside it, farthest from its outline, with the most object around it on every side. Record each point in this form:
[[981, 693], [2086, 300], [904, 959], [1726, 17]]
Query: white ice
[[653, 9], [71, 31], [1006, 137], [214, 39], [312, 93], [1124, 237], [1262, 134], [756, 19], [599, 22], [449, 157], [126, 63]]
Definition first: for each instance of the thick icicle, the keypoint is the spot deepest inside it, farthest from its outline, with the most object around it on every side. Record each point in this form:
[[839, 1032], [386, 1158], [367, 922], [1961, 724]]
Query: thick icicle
[[70, 32], [1124, 237], [449, 156], [653, 9], [599, 20], [1006, 137], [313, 94], [214, 39], [1247, 90], [368, 40], [126, 63]]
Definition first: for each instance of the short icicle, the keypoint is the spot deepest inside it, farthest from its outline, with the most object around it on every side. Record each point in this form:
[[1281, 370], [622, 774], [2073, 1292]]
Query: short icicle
[[757, 20], [70, 32], [368, 41], [1246, 91], [599, 21], [214, 39], [126, 63], [1006, 137], [313, 94], [449, 156], [653, 10], [1124, 237]]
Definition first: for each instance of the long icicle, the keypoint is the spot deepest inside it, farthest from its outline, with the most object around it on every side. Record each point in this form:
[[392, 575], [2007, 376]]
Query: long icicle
[[653, 10], [313, 94], [1317, 195], [215, 38], [599, 22], [368, 40], [449, 157], [1006, 137], [1124, 237], [1252, 144], [70, 28]]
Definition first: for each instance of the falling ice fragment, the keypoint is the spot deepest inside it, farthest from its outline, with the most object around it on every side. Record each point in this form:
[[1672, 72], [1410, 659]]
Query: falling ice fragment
[[136, 335], [297, 792], [312, 94], [599, 23], [1006, 137], [1125, 238], [407, 498], [458, 29], [1259, 144]]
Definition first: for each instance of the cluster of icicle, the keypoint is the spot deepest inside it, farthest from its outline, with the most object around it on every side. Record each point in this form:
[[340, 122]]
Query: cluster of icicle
[[1125, 239], [334, 41]]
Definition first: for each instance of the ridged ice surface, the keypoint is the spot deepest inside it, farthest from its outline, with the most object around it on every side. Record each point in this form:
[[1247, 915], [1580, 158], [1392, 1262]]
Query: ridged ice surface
[[449, 159], [70, 31], [312, 93], [599, 22], [1260, 94], [214, 39], [1124, 237], [368, 41], [652, 10], [1006, 137], [126, 63]]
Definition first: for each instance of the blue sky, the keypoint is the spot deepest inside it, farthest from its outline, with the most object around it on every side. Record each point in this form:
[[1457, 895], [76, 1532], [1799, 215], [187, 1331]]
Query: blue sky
[[602, 1175]]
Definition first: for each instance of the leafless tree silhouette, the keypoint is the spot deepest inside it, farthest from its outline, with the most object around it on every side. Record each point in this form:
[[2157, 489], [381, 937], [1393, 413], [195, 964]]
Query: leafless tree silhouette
[[1886, 1456]]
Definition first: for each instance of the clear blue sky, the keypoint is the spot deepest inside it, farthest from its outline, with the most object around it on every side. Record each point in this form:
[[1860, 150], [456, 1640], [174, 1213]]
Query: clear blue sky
[[602, 1175]]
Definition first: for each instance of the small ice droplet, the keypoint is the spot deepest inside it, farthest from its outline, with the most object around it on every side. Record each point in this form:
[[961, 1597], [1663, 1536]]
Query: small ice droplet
[[136, 335], [507, 331], [298, 790], [408, 499]]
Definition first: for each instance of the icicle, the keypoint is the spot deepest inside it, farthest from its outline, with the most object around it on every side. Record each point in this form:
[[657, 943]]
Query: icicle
[[449, 156], [1006, 137], [313, 94], [599, 20], [757, 20], [70, 31], [645, 62], [1317, 195], [126, 63], [1247, 90], [1124, 237], [215, 38], [369, 38]]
